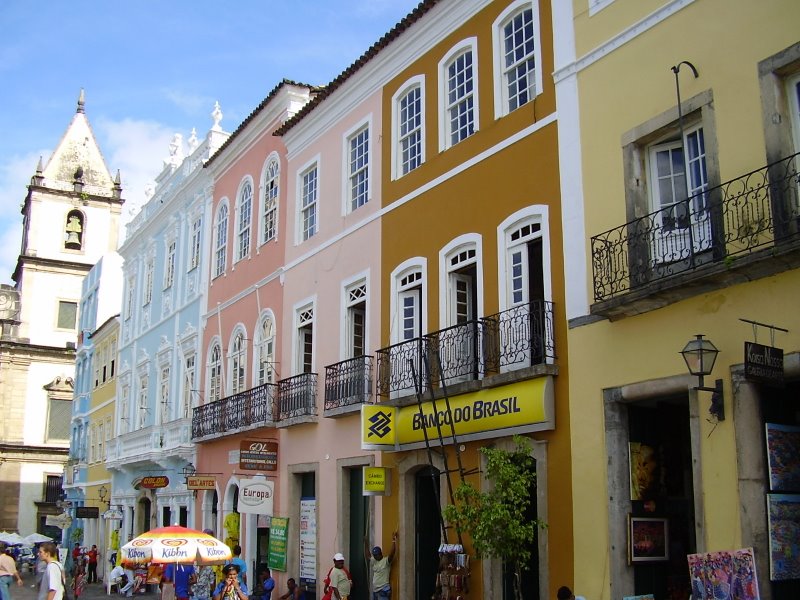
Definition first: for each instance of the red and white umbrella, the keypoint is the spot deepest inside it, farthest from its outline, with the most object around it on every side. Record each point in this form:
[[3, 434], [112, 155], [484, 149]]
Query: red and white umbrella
[[175, 544]]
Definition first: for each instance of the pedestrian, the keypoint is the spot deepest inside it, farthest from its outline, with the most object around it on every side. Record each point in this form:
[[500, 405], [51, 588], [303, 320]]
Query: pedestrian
[[8, 572], [564, 593], [91, 556], [339, 579], [230, 588], [262, 590], [204, 583], [52, 587], [381, 569], [218, 576], [294, 592], [76, 555], [123, 579], [180, 576], [78, 581], [239, 561]]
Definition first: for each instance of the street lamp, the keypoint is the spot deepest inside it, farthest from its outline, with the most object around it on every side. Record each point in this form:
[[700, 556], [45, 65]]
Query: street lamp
[[700, 355]]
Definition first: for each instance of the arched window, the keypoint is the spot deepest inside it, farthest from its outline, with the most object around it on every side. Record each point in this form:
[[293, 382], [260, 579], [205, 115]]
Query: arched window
[[245, 215], [269, 201], [238, 357], [221, 239], [265, 351], [214, 374]]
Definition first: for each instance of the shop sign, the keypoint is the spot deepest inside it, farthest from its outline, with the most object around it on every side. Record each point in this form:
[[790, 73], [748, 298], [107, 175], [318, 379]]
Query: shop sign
[[763, 364], [258, 455], [112, 514], [308, 543], [521, 407], [278, 536], [152, 482], [256, 496], [87, 512], [201, 482], [376, 481]]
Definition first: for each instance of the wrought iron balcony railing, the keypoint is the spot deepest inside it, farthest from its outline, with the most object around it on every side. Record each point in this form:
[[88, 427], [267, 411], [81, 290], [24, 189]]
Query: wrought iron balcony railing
[[757, 210], [519, 337], [348, 382], [297, 396], [233, 413]]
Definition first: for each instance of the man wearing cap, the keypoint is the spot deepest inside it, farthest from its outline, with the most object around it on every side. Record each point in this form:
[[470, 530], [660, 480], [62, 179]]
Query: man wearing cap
[[340, 578], [381, 569], [230, 588]]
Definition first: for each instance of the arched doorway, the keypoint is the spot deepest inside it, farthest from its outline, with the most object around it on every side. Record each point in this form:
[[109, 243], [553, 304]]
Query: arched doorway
[[143, 515]]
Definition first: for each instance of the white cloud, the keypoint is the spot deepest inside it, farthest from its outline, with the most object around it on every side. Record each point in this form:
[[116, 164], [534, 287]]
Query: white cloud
[[15, 175], [138, 149]]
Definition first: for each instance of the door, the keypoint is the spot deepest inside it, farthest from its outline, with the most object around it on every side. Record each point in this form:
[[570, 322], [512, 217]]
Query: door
[[427, 528], [458, 343]]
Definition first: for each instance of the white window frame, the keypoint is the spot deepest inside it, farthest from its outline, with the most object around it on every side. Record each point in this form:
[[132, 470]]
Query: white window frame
[[445, 132], [214, 384], [468, 241], [418, 263], [220, 257], [307, 202], [189, 374], [501, 95], [142, 407], [244, 219], [195, 243], [265, 342], [169, 263], [301, 312], [130, 294], [269, 196], [164, 393], [350, 289], [237, 360], [149, 274], [349, 174], [397, 98]]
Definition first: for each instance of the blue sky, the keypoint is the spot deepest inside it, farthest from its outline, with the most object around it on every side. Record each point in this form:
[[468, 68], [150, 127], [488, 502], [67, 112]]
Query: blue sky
[[153, 68]]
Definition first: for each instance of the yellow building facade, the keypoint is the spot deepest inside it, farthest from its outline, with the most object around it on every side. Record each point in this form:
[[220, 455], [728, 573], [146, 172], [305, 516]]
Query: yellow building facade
[[472, 292], [681, 219]]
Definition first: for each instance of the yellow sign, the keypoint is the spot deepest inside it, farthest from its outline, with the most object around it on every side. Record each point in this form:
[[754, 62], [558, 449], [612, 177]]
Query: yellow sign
[[376, 481], [519, 407]]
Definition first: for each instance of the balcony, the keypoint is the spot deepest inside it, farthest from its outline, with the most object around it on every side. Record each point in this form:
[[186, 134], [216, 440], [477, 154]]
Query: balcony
[[297, 398], [348, 383], [511, 340], [151, 444], [242, 411], [725, 235]]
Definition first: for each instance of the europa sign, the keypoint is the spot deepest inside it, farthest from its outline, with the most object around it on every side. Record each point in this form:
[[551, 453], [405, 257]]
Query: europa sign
[[152, 482], [256, 496], [763, 364], [258, 455]]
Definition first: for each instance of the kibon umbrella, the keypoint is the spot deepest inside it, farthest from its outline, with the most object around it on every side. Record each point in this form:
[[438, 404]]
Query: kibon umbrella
[[175, 544]]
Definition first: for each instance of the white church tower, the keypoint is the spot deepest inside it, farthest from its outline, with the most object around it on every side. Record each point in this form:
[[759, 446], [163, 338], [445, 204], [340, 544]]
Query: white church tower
[[70, 219]]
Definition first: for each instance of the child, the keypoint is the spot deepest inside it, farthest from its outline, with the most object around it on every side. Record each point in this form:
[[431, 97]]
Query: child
[[79, 581]]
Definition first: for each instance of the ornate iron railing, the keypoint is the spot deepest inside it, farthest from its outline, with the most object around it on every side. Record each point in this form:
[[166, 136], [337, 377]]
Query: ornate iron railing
[[348, 382], [521, 336], [297, 396], [515, 338], [757, 210], [230, 414]]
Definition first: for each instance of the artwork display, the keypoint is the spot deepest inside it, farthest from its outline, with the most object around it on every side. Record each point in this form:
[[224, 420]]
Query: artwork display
[[783, 516], [724, 575], [648, 539], [644, 468], [783, 457]]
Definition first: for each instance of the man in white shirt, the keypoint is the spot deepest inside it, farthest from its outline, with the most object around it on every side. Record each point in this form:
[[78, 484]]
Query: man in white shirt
[[52, 587]]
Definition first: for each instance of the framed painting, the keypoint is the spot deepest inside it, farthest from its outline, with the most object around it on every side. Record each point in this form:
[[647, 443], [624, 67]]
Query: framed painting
[[725, 574], [783, 517], [648, 539], [783, 448]]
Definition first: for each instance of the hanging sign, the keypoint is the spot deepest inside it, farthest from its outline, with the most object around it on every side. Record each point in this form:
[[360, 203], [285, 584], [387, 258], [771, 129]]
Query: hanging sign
[[256, 496], [201, 482], [152, 482], [87, 512], [376, 481], [278, 536], [112, 514], [258, 455], [763, 364]]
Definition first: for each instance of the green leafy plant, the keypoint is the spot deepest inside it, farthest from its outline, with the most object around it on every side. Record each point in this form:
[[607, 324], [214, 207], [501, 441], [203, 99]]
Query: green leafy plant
[[77, 535], [496, 519]]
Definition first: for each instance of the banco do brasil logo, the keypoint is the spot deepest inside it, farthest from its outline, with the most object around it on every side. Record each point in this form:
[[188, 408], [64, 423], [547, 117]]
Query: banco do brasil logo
[[379, 424]]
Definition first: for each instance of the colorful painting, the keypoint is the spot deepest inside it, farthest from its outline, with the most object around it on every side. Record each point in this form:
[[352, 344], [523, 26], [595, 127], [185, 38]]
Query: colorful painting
[[783, 514], [724, 575], [783, 457], [648, 539]]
